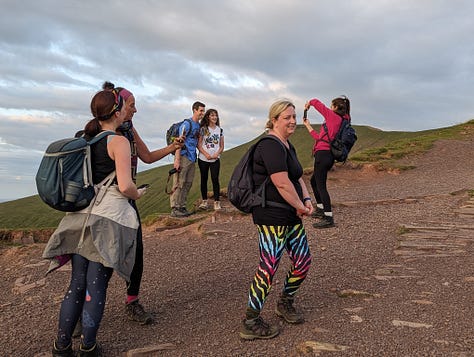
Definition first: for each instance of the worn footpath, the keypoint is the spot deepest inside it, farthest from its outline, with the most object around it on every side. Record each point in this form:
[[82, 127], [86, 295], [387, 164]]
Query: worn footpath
[[395, 277]]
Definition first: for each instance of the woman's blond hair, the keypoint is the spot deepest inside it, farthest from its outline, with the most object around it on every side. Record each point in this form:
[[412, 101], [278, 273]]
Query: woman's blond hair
[[276, 109]]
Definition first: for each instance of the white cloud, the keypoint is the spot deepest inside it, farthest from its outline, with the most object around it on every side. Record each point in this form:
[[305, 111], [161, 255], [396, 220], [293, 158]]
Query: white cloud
[[405, 65]]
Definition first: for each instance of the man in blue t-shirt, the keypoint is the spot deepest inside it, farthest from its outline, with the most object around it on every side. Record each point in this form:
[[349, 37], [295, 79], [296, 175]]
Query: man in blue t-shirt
[[184, 162]]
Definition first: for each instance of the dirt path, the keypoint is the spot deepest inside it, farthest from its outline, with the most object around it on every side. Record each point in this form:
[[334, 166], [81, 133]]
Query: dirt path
[[395, 277]]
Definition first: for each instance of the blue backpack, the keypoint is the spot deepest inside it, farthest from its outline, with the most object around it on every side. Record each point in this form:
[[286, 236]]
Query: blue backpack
[[344, 140], [173, 131], [64, 177]]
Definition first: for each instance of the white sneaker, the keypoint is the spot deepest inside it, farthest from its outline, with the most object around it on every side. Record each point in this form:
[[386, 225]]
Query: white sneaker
[[217, 206], [203, 205]]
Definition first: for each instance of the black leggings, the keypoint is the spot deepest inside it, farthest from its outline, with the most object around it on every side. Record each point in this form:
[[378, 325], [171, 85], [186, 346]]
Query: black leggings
[[323, 162], [214, 167], [133, 288], [85, 295]]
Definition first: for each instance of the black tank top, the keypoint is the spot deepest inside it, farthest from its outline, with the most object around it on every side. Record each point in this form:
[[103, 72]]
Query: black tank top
[[102, 164]]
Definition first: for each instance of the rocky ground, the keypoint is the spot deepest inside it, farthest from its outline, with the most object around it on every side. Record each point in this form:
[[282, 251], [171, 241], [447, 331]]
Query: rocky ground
[[395, 277]]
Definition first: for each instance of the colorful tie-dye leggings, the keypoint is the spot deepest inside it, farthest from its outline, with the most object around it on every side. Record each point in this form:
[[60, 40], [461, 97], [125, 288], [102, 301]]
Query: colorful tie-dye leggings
[[273, 240]]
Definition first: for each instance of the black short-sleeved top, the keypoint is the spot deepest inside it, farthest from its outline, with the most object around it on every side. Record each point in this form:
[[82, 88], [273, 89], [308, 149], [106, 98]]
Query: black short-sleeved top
[[271, 157]]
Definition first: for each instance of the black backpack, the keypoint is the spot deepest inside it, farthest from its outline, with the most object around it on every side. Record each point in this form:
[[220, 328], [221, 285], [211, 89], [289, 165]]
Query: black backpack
[[64, 177], [241, 190], [344, 140]]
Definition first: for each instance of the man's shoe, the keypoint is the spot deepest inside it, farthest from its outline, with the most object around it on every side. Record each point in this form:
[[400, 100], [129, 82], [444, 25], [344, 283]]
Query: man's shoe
[[318, 213], [94, 351], [176, 212], [217, 206], [203, 205], [66, 352], [326, 222], [136, 312], [287, 311], [184, 211]]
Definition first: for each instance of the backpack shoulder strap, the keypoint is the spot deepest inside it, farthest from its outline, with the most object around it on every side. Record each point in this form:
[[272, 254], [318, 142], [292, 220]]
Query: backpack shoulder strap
[[267, 179], [100, 136]]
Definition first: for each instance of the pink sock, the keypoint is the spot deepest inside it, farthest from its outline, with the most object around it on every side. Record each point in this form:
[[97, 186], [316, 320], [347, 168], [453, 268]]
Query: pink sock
[[131, 298]]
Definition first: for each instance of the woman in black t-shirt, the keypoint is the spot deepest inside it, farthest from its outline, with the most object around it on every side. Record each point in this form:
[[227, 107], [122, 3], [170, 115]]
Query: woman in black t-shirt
[[279, 228]]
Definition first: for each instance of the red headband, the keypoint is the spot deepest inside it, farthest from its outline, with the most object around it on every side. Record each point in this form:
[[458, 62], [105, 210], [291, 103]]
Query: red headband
[[124, 93]]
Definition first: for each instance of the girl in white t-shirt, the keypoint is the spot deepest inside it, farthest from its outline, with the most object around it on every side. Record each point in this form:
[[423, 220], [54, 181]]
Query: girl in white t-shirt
[[210, 146]]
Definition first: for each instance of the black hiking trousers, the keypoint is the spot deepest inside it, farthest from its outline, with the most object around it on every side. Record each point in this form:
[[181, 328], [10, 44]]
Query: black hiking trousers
[[323, 162]]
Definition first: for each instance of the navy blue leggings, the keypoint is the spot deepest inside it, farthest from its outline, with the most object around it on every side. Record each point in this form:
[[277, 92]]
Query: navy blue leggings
[[86, 294]]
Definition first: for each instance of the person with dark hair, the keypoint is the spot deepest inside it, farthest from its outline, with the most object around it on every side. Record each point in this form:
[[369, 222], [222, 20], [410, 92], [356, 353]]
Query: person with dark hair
[[279, 228], [139, 149], [323, 158], [210, 147], [107, 242], [184, 162]]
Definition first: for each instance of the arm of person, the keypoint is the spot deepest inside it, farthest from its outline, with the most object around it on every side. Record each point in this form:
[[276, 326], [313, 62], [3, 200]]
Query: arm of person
[[148, 156], [201, 149], [320, 107], [306, 197], [287, 191], [221, 146], [118, 149]]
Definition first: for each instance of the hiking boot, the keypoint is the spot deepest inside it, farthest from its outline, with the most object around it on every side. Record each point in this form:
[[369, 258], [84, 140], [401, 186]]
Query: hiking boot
[[77, 330], [184, 211], [257, 328], [217, 206], [66, 352], [287, 311], [203, 205], [325, 222], [136, 312], [318, 213], [176, 212], [94, 351]]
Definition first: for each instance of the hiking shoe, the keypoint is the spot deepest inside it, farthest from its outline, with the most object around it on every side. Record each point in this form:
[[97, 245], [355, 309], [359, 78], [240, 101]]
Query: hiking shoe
[[318, 213], [66, 352], [94, 351], [217, 206], [184, 211], [287, 311], [77, 330], [203, 205], [257, 328], [176, 212], [136, 312], [326, 222]]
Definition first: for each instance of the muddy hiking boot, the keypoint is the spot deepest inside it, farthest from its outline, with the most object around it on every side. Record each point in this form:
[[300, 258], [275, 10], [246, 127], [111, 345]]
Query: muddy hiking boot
[[136, 312], [325, 222], [64, 352], [94, 351], [257, 329], [287, 311]]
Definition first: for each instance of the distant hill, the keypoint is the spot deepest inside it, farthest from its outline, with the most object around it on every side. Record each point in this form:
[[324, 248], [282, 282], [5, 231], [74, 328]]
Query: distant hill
[[382, 148]]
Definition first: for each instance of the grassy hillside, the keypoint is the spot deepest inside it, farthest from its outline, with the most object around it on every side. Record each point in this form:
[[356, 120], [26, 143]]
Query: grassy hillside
[[373, 146]]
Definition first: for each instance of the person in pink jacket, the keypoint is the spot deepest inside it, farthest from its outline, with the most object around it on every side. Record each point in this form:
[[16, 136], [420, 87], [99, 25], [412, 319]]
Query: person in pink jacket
[[323, 158]]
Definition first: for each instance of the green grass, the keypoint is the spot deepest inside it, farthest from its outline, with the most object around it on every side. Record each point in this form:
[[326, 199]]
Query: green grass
[[376, 147]]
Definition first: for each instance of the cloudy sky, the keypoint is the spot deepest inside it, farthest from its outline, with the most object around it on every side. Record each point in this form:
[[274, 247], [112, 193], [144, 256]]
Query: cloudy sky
[[406, 65]]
